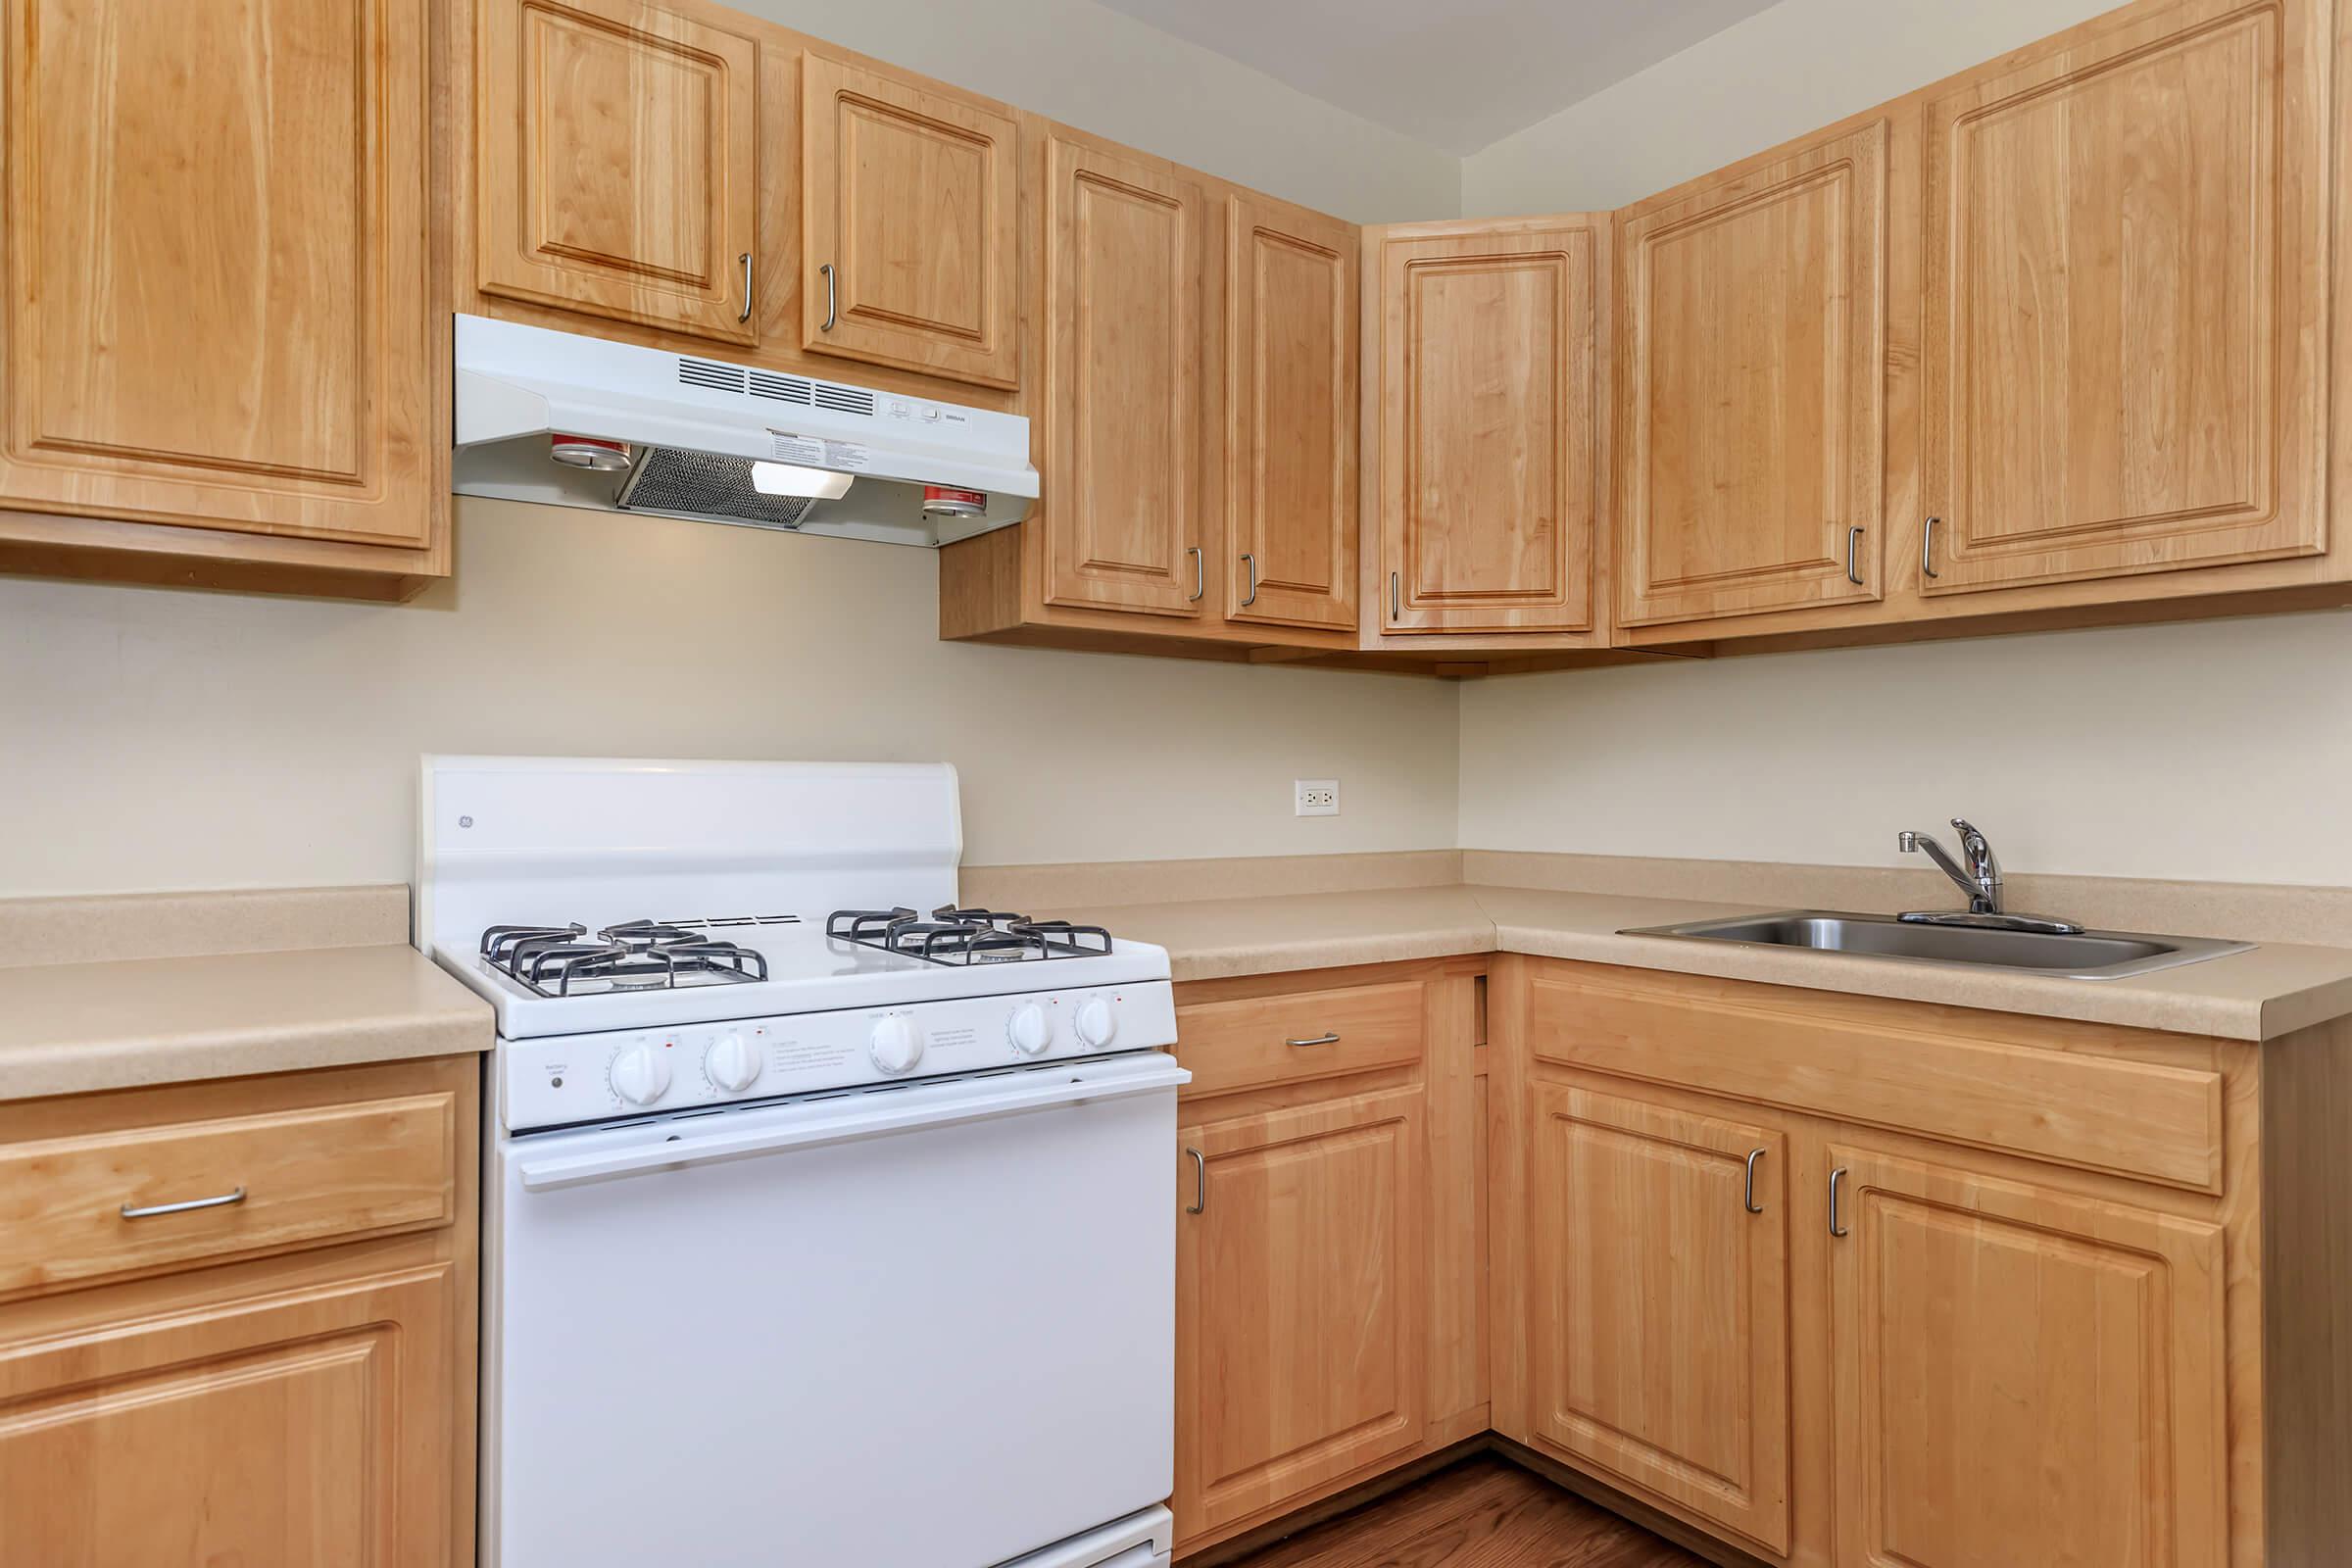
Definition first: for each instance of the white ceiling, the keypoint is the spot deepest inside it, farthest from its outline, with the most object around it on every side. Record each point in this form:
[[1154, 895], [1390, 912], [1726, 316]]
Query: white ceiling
[[1456, 77]]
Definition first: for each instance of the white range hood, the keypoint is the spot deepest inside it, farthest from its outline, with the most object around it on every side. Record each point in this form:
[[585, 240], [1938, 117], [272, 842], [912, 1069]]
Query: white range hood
[[582, 422]]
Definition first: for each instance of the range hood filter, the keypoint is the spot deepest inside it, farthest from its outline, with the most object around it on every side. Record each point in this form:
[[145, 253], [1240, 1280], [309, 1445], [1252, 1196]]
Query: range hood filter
[[707, 484]]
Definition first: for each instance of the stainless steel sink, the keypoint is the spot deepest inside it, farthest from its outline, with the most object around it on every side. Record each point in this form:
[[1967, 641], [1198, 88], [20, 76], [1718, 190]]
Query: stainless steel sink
[[2088, 955]]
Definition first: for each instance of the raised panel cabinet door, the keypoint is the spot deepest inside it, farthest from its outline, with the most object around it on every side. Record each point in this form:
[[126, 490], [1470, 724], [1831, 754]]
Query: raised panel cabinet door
[[1290, 293], [1657, 1263], [1490, 405], [2021, 1375], [2126, 292], [218, 300], [1752, 432], [1302, 1302], [617, 164], [1124, 360], [910, 207], [312, 1428]]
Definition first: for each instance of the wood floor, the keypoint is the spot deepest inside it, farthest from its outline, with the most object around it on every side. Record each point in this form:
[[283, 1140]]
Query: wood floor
[[1481, 1513]]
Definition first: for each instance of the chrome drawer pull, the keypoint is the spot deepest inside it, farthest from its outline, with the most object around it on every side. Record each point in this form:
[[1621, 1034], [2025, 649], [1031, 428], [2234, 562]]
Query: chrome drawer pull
[[1199, 1202], [746, 314], [1837, 1177], [1315, 1040], [1853, 565], [1748, 1197], [1926, 549], [831, 314], [221, 1201], [1199, 575]]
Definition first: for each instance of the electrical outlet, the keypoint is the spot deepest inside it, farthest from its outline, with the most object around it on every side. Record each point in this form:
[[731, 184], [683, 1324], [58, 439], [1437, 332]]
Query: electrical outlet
[[1315, 797]]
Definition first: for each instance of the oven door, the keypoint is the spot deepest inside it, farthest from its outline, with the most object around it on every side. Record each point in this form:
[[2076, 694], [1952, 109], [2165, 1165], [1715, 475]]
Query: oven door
[[927, 1326]]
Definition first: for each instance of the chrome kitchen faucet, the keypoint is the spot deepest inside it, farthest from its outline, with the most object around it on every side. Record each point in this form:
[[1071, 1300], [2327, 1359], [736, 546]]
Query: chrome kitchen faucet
[[1979, 878]]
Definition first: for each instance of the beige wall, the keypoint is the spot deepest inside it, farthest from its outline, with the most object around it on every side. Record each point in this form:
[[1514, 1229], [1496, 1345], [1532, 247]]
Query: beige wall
[[159, 739], [2218, 750]]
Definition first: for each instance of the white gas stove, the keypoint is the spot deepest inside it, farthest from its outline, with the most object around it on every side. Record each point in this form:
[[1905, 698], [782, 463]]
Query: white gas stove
[[793, 1160]]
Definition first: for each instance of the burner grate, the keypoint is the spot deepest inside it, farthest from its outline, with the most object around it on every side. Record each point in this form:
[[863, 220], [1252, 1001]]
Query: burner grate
[[953, 934], [630, 956]]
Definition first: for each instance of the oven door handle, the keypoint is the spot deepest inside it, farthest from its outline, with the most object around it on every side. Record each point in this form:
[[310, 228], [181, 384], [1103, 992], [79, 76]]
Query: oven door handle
[[867, 1120]]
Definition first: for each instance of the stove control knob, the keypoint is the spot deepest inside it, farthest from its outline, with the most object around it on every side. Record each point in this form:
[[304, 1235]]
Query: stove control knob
[[1097, 1023], [641, 1074], [895, 1044], [732, 1063], [1030, 1029]]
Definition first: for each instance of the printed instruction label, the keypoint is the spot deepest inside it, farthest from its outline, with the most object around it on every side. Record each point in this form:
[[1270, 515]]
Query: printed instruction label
[[821, 452]]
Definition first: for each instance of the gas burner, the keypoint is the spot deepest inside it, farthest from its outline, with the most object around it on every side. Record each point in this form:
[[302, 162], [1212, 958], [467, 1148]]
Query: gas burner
[[955, 935], [631, 956]]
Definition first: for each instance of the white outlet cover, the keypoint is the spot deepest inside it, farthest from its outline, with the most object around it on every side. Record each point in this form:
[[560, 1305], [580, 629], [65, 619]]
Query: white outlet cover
[[1315, 797]]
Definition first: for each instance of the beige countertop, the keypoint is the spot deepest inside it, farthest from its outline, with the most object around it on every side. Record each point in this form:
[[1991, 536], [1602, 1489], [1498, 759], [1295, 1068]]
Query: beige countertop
[[2273, 990], [71, 1028]]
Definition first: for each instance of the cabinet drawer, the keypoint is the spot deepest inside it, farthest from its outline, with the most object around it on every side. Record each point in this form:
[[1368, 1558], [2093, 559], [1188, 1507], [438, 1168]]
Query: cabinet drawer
[[80, 1208], [1311, 1034], [2145, 1119]]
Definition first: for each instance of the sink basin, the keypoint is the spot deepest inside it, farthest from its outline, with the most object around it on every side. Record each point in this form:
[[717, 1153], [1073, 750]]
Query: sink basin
[[2090, 956]]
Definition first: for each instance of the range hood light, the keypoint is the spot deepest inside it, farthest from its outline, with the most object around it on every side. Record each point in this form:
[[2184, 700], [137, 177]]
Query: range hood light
[[791, 479]]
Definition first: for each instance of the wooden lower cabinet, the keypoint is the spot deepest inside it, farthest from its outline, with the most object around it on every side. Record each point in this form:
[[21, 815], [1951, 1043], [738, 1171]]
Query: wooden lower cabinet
[[1657, 1261], [250, 1385], [2102, 1321], [309, 1427], [1329, 1244], [2021, 1374], [1301, 1314]]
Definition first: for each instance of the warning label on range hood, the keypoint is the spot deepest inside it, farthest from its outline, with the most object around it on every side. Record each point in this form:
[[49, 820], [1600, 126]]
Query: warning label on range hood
[[821, 452]]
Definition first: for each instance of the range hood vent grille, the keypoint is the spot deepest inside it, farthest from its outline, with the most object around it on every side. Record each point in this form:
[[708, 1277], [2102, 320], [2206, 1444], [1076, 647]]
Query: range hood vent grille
[[703, 373], [712, 376], [669, 479]]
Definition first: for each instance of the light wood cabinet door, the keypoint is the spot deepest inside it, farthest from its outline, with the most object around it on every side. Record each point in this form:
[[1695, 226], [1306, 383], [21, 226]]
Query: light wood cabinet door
[[1302, 1308], [910, 207], [2126, 291], [312, 1428], [2021, 1375], [1290, 331], [1490, 409], [1124, 360], [1657, 1266], [617, 164], [219, 303], [1752, 426]]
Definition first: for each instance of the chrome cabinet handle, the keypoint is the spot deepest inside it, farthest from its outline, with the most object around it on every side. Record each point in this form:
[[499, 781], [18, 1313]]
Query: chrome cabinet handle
[[1748, 1197], [746, 314], [1837, 1177], [1395, 602], [188, 1205], [1199, 1202], [1853, 555], [1200, 575], [1926, 549], [1331, 1038], [1250, 563], [827, 270]]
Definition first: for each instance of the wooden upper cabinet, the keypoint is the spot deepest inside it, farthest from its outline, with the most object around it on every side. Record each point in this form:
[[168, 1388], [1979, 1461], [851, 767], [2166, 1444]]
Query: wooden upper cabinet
[[617, 162], [2125, 296], [1658, 1303], [1124, 355], [1291, 312], [1302, 1317], [220, 311], [1491, 418], [1752, 423], [909, 209], [2023, 1375]]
